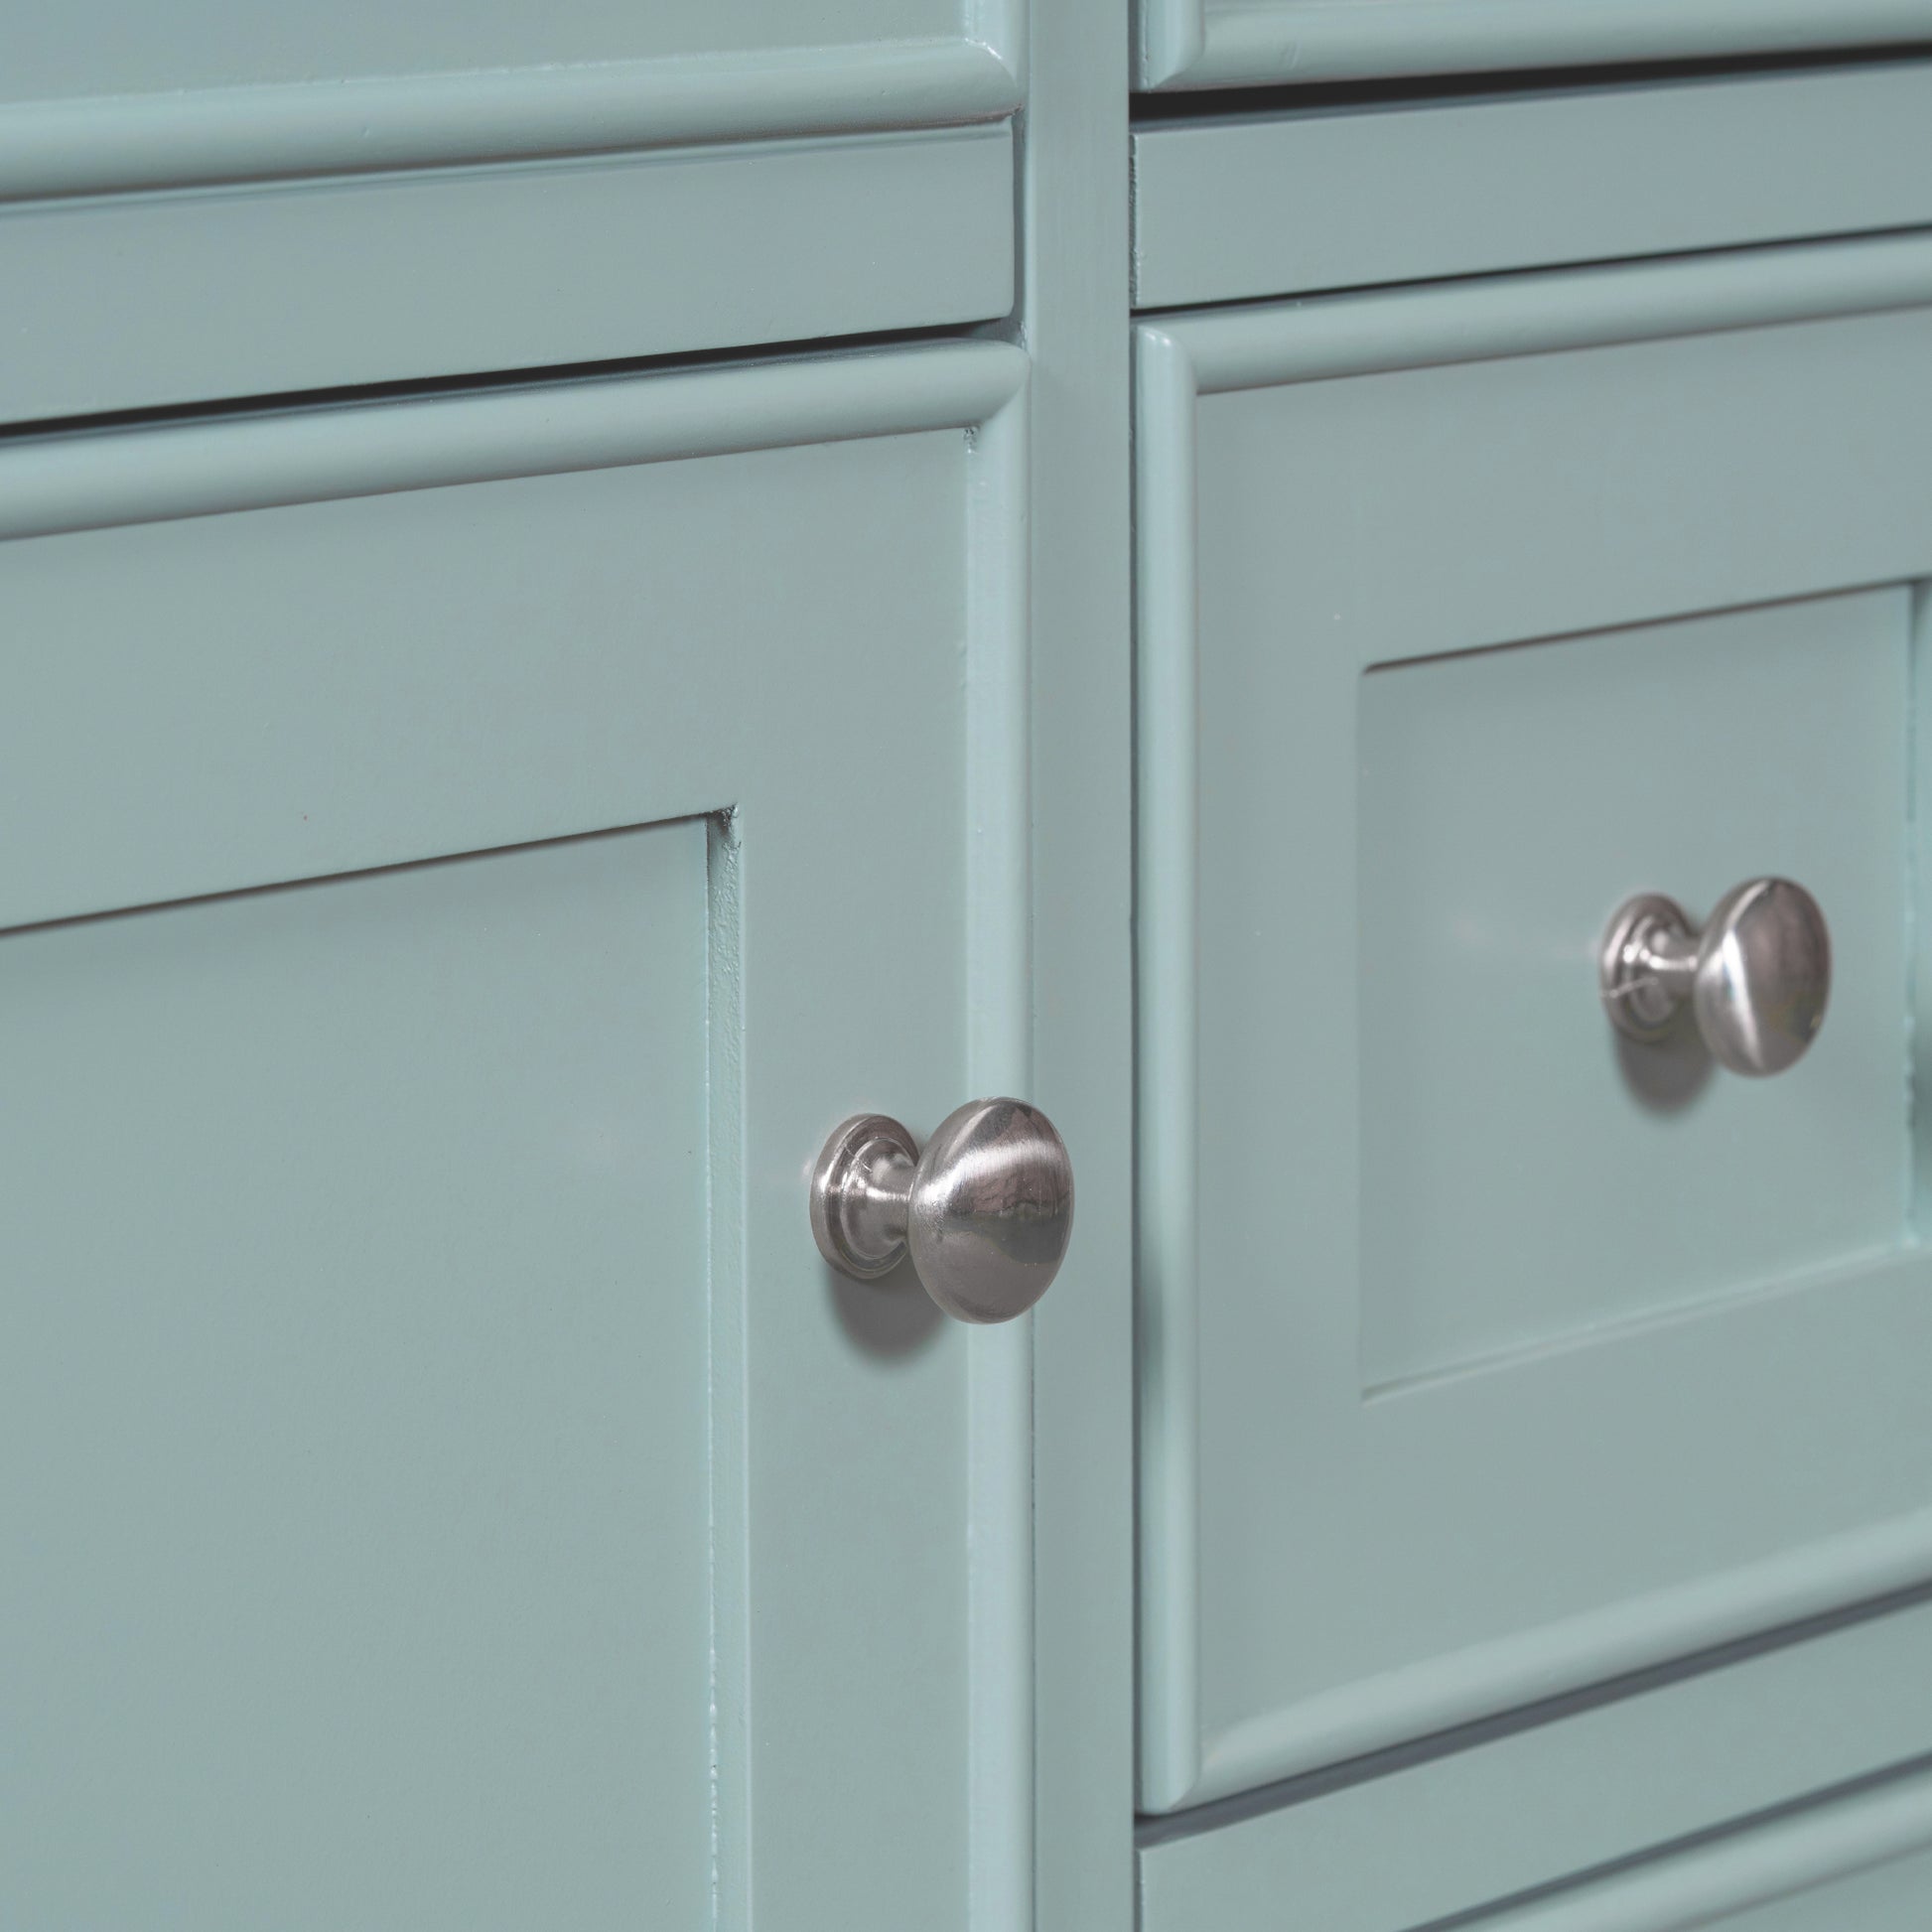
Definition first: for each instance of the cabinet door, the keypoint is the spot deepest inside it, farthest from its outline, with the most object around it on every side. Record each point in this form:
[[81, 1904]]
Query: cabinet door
[[1488, 1355], [463, 856]]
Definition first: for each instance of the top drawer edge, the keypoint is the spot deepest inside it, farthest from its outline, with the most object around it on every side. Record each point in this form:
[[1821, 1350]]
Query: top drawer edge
[[1186, 43], [1236, 208], [290, 130]]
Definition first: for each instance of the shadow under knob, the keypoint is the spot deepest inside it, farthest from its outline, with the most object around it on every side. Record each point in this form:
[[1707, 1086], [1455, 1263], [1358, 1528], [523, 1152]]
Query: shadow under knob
[[985, 1211], [1755, 979]]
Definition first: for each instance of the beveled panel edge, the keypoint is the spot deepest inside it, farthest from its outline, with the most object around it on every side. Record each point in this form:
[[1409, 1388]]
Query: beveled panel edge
[[97, 479], [125, 143], [1421, 191], [1561, 1818], [1177, 359], [1188, 44], [1531, 314]]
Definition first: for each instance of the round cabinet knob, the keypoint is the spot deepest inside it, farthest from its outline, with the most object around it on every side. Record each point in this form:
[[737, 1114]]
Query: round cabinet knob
[[1755, 978], [985, 1211]]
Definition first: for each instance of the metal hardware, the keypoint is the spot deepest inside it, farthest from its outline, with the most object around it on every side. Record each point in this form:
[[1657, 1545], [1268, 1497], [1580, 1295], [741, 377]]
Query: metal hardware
[[985, 1211], [1755, 979]]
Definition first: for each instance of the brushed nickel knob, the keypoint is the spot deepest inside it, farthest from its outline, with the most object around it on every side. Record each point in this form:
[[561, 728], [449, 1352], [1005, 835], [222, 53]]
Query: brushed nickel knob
[[1756, 977], [985, 1211]]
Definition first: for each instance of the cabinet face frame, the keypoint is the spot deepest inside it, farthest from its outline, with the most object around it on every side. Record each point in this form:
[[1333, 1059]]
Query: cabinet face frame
[[371, 774], [1185, 43], [1179, 361]]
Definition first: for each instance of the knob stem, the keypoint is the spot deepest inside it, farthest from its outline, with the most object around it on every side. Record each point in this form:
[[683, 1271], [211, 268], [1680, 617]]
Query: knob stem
[[1668, 955], [862, 1195]]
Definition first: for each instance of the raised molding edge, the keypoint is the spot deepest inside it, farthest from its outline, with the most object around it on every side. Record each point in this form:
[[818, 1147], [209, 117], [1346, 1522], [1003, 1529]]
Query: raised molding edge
[[1185, 44], [1178, 359], [100, 479], [1165, 941], [1000, 1060], [1536, 312], [1441, 1693], [1531, 1816], [1756, 1866], [123, 142]]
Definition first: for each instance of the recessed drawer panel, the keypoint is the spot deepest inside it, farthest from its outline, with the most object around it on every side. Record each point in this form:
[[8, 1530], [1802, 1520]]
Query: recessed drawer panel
[[1488, 1352]]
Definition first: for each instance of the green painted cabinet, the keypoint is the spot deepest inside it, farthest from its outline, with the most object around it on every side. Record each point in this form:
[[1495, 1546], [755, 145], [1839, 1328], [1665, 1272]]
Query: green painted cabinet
[[589, 591], [441, 1484]]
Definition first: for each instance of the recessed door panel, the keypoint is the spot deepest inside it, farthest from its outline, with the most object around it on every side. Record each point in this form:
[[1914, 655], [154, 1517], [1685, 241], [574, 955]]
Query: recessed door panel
[[353, 1401]]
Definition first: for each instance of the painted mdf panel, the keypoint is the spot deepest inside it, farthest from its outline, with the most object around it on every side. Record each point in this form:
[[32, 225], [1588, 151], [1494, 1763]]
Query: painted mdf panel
[[1264, 43], [299, 198], [1515, 1197], [268, 287], [1894, 1897], [1479, 1362], [1534, 178], [1559, 1804], [108, 47], [463, 650], [353, 1403]]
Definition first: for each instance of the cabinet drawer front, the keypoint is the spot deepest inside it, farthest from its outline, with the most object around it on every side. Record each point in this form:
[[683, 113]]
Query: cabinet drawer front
[[1544, 1357], [432, 1487], [1237, 43], [1222, 211], [294, 198]]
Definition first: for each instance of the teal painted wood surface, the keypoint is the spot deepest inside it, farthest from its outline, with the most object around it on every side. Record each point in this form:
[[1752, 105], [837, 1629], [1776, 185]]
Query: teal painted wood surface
[[1889, 1897], [1224, 209], [1506, 801], [104, 48], [99, 143], [355, 1401], [267, 288], [1328, 1568], [1226, 43], [378, 635], [375, 227], [1073, 301], [1487, 1815], [1854, 1861]]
